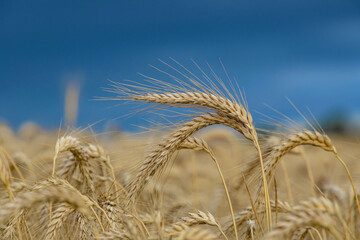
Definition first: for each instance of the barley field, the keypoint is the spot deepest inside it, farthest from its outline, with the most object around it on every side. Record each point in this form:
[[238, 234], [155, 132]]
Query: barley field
[[211, 174]]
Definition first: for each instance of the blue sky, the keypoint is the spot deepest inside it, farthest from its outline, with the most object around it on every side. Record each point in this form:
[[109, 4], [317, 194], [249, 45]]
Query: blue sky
[[306, 50]]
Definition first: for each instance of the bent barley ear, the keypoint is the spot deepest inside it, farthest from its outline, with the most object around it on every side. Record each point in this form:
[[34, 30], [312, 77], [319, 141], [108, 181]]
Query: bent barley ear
[[194, 94]]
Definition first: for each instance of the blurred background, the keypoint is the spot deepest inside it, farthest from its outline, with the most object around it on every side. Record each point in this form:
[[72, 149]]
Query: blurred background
[[308, 51]]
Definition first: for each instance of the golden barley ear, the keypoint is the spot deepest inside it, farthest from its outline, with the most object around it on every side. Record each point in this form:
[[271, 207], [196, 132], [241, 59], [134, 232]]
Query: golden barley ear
[[58, 218], [196, 95], [315, 213]]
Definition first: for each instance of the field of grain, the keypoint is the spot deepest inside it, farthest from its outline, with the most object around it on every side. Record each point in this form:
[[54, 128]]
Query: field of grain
[[189, 180]]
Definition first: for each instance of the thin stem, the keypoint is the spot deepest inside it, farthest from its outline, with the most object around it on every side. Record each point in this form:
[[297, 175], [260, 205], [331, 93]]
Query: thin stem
[[346, 228], [98, 219], [266, 190], [221, 231], [336, 233], [317, 232], [287, 182], [253, 206], [226, 191], [323, 232], [96, 232], [252, 233], [27, 228], [108, 163], [106, 216], [351, 180], [54, 165], [309, 171], [6, 155], [139, 220], [18, 229]]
